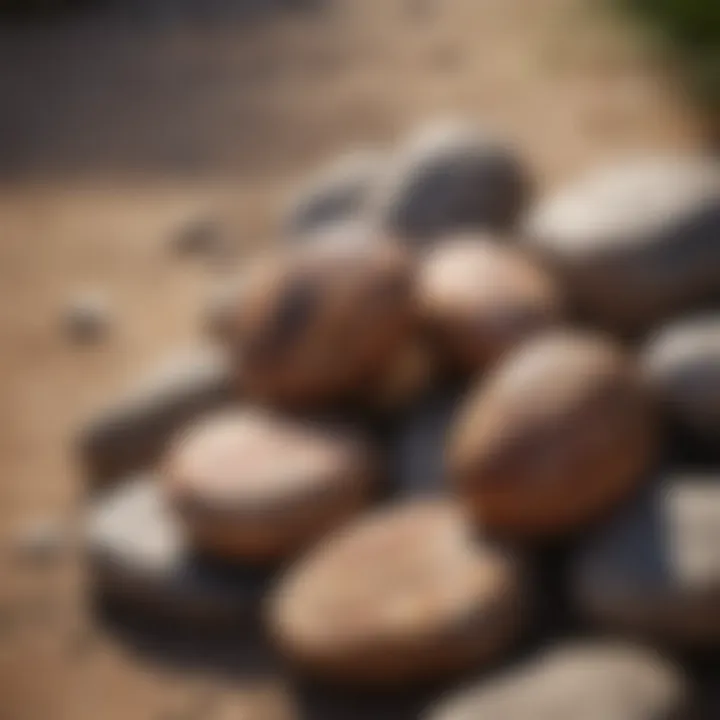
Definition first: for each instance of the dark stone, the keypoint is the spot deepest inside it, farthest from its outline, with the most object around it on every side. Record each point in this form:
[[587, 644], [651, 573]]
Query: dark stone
[[132, 432]]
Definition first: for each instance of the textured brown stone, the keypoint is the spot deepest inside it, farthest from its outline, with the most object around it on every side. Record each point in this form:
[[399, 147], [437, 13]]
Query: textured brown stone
[[253, 486], [559, 433], [401, 595], [479, 299], [315, 322]]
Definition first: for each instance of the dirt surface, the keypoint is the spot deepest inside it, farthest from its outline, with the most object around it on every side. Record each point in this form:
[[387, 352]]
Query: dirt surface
[[116, 129]]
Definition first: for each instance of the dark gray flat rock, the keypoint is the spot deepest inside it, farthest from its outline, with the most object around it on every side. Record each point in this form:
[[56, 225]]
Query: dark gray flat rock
[[131, 433]]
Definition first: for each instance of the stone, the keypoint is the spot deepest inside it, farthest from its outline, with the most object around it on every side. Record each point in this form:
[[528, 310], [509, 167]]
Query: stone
[[199, 236], [139, 556], [583, 681], [131, 432], [258, 487], [654, 569], [401, 595], [87, 317], [682, 364], [634, 243], [557, 435], [221, 302], [336, 192], [318, 320], [449, 176], [479, 299]]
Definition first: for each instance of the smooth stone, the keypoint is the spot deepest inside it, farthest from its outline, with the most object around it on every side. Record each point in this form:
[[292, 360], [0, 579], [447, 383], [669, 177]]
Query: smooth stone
[[258, 487], [335, 192], [580, 681], [654, 570], [449, 176], [635, 243], [131, 433], [317, 321], [87, 317], [557, 435], [479, 299], [401, 595], [139, 555], [682, 365]]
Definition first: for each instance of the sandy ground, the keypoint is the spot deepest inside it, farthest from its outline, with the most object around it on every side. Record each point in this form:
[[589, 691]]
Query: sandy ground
[[114, 133]]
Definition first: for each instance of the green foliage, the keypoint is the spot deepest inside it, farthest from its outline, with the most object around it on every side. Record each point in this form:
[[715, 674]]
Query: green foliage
[[692, 28]]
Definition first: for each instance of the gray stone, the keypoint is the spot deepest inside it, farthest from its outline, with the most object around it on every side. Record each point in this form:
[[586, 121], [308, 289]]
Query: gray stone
[[636, 242], [593, 681], [131, 433], [448, 177], [335, 193], [682, 364], [87, 317], [655, 569], [417, 453], [139, 555]]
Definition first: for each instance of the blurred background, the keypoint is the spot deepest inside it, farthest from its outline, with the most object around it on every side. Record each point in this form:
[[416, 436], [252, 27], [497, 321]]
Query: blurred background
[[123, 124]]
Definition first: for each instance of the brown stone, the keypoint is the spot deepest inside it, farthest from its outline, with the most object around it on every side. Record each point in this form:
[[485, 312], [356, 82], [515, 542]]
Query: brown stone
[[560, 432], [479, 299], [401, 595], [314, 323], [253, 486]]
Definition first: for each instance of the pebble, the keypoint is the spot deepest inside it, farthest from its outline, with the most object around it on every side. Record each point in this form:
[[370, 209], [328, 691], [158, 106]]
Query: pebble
[[560, 433], [449, 176], [336, 192], [580, 681], [131, 432], [139, 555], [478, 299], [636, 242], [682, 365], [401, 595], [252, 486], [654, 570], [41, 541], [87, 317]]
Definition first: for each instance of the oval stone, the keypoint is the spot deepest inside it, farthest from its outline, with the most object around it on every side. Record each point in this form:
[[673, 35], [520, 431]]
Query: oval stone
[[479, 299], [401, 595], [592, 681], [450, 176], [637, 242], [256, 487], [315, 322], [654, 570], [559, 433], [682, 364]]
